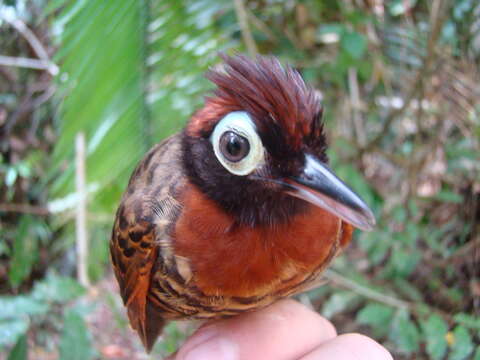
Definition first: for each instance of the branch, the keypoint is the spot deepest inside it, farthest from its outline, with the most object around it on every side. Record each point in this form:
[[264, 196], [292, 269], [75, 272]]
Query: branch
[[24, 209], [243, 22], [415, 308], [25, 63], [261, 26], [356, 105], [28, 34], [461, 254], [395, 113], [342, 281], [32, 39], [437, 18]]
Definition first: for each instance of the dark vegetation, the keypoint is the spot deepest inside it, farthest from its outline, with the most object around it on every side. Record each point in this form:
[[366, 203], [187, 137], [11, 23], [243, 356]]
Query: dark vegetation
[[401, 87]]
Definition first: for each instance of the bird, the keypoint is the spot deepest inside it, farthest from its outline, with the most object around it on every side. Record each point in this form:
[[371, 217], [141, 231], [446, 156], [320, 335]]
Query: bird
[[237, 210]]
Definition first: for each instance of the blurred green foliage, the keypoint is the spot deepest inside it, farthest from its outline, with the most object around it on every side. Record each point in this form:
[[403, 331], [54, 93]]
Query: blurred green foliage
[[400, 84]]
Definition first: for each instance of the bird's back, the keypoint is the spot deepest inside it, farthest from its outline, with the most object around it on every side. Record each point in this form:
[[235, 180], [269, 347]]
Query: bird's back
[[141, 245]]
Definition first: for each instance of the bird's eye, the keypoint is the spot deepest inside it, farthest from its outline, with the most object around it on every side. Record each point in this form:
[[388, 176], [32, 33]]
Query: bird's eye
[[236, 143], [233, 146]]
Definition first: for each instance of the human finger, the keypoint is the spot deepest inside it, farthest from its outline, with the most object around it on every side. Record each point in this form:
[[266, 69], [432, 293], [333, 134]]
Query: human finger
[[349, 347], [284, 330]]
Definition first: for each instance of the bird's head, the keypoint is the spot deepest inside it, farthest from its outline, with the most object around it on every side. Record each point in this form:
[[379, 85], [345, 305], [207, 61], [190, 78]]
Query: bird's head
[[257, 147]]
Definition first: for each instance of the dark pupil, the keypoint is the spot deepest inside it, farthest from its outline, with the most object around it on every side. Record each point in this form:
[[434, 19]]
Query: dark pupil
[[233, 146]]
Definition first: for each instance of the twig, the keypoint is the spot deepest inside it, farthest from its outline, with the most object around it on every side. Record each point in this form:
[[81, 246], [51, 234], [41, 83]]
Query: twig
[[23, 29], [81, 214], [342, 281], [437, 17], [394, 114], [356, 105], [24, 62], [24, 209], [9, 77], [260, 25], [461, 254], [36, 45], [415, 308], [243, 22], [436, 21]]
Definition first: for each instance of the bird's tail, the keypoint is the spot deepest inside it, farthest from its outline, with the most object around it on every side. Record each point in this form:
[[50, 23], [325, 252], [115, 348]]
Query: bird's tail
[[148, 328]]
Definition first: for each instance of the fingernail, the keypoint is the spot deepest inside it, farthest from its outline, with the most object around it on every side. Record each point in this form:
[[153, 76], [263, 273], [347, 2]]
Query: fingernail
[[219, 348]]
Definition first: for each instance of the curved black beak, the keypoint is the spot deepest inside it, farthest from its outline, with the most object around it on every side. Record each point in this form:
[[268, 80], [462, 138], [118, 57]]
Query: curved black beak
[[318, 185]]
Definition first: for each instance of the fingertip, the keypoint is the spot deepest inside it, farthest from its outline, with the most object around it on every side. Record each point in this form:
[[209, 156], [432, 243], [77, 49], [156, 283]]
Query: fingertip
[[350, 346], [283, 330], [369, 346]]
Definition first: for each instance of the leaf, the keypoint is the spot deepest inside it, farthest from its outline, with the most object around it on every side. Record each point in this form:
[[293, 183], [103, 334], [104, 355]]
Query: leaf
[[404, 333], [379, 248], [12, 329], [376, 316], [449, 197], [4, 249], [24, 253], [435, 329], [354, 43], [468, 320], [402, 261], [399, 7], [20, 350], [11, 176], [463, 345], [19, 306], [146, 64], [75, 343], [330, 33], [338, 302], [477, 354], [407, 290], [56, 288], [334, 28]]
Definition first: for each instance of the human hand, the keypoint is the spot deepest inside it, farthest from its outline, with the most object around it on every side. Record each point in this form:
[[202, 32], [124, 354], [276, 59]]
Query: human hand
[[285, 330]]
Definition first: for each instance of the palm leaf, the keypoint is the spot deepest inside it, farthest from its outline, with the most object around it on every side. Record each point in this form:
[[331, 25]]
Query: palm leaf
[[128, 78]]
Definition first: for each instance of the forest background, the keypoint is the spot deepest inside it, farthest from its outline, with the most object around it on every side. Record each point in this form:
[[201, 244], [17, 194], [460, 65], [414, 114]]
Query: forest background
[[400, 84]]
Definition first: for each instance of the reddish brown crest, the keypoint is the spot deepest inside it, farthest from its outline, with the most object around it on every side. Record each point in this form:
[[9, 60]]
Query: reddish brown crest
[[266, 90]]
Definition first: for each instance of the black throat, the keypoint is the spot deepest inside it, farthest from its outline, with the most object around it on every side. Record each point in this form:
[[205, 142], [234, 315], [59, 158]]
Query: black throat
[[250, 202]]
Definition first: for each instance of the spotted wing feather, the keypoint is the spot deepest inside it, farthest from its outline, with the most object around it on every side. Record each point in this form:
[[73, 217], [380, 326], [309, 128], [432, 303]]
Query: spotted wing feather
[[144, 219]]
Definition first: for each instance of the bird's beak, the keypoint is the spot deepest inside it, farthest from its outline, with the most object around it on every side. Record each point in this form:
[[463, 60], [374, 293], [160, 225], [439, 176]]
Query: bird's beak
[[318, 185]]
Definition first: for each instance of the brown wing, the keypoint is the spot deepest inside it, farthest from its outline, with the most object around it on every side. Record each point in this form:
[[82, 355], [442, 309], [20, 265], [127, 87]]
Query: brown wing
[[144, 218]]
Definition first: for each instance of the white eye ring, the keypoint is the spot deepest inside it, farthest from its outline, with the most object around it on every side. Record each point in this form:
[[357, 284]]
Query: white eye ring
[[240, 123]]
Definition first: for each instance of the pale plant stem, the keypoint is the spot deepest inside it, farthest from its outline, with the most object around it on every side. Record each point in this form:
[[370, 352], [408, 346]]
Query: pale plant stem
[[243, 22], [24, 209], [28, 34], [261, 26], [355, 105], [36, 45], [81, 214], [418, 309], [23, 62], [436, 20], [344, 282]]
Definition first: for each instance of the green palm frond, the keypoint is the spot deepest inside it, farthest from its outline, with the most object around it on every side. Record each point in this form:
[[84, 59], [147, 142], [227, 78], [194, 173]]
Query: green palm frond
[[129, 79], [183, 42]]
